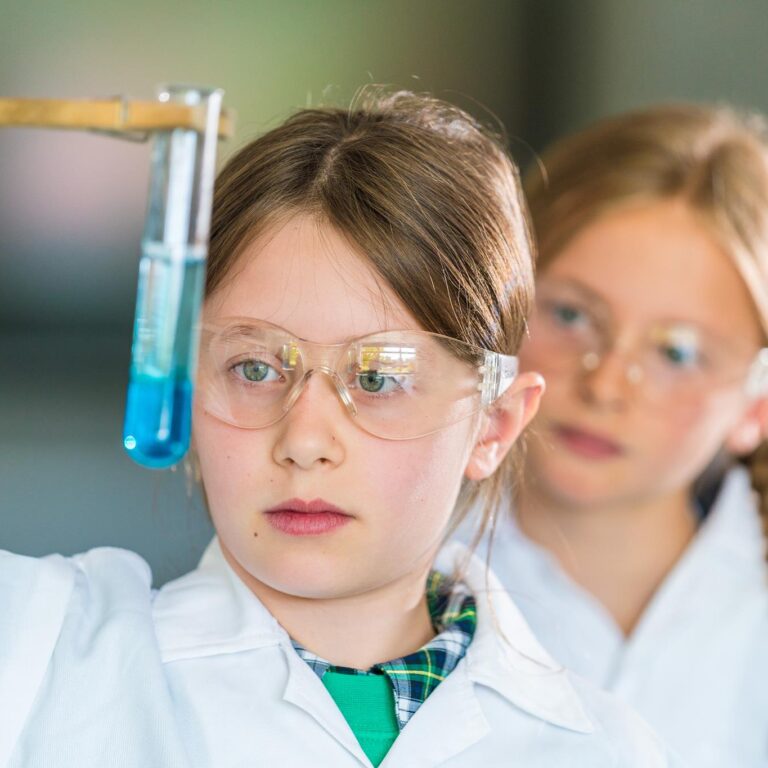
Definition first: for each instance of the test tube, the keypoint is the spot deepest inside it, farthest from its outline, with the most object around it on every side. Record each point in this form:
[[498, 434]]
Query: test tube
[[158, 414]]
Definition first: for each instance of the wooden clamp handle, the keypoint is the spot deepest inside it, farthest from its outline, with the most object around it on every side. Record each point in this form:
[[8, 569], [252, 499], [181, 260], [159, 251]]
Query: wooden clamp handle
[[113, 115]]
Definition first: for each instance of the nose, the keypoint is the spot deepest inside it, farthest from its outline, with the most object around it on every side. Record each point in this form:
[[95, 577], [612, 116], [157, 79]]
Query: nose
[[607, 380], [309, 435]]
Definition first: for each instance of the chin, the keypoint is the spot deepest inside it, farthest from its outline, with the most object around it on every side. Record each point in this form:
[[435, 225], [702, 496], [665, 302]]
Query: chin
[[321, 578], [578, 489], [583, 499], [559, 477]]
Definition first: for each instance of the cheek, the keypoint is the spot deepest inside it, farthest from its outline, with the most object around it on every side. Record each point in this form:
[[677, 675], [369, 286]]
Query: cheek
[[415, 476], [528, 357], [230, 463], [534, 356], [670, 444], [559, 395], [693, 431]]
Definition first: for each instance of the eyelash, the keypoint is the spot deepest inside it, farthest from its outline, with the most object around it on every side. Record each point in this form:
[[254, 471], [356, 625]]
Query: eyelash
[[398, 379], [241, 378], [557, 310]]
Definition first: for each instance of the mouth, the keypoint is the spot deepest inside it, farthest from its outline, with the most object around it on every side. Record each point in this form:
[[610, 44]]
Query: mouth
[[297, 517], [587, 444]]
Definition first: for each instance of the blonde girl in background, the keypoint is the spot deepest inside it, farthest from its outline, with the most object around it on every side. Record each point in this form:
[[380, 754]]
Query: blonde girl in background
[[368, 284], [635, 549]]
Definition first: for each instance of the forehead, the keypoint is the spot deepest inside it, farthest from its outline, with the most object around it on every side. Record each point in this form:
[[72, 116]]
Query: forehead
[[305, 276], [659, 261]]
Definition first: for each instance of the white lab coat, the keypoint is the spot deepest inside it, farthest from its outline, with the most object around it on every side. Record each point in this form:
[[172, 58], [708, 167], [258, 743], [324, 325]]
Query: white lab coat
[[81, 681], [244, 697], [696, 666], [88, 681]]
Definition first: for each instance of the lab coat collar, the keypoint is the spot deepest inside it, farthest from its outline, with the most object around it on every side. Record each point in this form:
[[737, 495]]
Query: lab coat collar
[[728, 549], [505, 655], [732, 528], [210, 611], [725, 558]]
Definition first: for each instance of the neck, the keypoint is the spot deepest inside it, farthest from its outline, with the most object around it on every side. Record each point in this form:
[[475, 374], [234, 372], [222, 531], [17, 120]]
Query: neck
[[620, 552], [355, 631]]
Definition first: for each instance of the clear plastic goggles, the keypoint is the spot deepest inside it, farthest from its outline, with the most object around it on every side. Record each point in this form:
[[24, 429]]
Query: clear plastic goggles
[[397, 385], [665, 359]]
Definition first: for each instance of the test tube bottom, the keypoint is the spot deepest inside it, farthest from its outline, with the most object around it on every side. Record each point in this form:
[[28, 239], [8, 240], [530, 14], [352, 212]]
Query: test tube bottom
[[157, 420]]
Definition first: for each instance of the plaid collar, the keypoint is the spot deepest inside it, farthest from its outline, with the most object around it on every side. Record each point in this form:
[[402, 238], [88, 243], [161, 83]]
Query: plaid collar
[[415, 676]]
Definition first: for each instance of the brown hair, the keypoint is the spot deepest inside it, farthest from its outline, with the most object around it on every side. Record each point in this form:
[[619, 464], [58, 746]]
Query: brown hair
[[713, 158], [426, 194]]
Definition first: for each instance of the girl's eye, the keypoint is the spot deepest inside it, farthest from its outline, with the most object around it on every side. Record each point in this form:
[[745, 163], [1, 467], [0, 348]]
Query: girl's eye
[[679, 348], [377, 383], [568, 315], [256, 371], [680, 356]]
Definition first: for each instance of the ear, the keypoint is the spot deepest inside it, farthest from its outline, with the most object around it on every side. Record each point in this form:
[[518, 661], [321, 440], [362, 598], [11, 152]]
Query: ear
[[751, 429], [503, 424]]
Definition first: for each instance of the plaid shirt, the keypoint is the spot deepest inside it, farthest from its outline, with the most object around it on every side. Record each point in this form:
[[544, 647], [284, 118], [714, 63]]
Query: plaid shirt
[[415, 676]]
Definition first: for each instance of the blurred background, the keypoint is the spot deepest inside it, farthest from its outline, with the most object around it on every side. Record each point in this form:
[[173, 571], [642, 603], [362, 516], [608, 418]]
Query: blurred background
[[72, 205]]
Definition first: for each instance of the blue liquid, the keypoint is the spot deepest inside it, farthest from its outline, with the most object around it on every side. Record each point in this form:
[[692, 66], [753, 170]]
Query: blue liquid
[[158, 414], [158, 420]]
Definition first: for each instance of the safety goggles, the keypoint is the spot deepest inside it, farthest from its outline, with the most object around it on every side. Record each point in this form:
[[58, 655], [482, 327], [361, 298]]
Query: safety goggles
[[666, 359], [396, 385]]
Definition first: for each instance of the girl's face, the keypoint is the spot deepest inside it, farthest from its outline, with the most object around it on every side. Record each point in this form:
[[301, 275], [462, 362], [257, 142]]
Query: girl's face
[[396, 496], [644, 331]]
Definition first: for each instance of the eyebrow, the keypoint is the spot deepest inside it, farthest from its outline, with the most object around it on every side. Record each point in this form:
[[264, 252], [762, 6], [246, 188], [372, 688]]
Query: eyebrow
[[240, 329], [580, 288], [248, 326]]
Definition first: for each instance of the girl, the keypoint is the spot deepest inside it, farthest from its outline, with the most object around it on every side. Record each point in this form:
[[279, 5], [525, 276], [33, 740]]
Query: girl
[[368, 281], [635, 547]]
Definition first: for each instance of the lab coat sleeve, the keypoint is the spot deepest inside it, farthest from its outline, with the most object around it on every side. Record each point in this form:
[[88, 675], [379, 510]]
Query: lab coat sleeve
[[78, 650], [34, 595]]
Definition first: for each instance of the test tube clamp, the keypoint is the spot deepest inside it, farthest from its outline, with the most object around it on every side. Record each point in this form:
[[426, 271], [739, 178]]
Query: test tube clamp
[[186, 122]]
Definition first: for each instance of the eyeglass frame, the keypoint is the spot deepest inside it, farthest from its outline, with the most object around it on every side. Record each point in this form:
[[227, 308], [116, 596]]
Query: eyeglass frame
[[755, 383], [497, 372]]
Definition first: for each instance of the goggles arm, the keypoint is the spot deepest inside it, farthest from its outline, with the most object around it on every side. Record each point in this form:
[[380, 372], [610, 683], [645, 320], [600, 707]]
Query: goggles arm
[[498, 372]]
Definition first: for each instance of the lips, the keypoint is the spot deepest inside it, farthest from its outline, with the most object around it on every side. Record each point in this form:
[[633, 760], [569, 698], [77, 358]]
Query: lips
[[587, 444], [297, 517]]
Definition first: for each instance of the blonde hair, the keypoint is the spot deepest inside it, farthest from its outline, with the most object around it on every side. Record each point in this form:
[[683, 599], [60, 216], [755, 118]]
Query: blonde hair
[[713, 158], [430, 198]]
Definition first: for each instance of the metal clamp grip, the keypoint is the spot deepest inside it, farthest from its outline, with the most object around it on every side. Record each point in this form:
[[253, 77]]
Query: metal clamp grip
[[114, 116]]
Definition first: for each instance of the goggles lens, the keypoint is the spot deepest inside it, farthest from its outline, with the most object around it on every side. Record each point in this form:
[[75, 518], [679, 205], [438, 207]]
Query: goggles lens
[[667, 359], [396, 384]]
